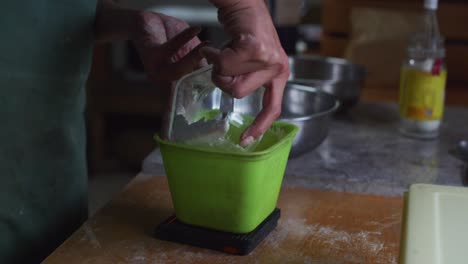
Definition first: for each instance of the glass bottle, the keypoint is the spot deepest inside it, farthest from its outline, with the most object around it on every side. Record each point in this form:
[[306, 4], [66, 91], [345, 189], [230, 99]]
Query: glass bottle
[[423, 78]]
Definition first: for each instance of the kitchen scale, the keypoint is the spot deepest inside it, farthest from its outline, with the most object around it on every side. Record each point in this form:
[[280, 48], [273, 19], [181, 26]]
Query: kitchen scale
[[237, 244]]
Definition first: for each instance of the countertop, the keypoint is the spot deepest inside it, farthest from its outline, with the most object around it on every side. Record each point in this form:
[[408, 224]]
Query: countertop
[[341, 203], [365, 153], [315, 227]]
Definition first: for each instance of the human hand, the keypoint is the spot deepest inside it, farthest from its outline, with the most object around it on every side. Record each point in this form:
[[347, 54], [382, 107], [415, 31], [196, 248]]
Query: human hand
[[253, 58], [167, 46]]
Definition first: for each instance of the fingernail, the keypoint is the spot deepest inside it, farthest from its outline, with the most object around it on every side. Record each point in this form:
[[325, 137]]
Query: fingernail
[[224, 79], [247, 141], [246, 132]]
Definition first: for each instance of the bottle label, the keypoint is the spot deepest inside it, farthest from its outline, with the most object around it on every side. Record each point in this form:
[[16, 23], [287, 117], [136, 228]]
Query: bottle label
[[422, 94]]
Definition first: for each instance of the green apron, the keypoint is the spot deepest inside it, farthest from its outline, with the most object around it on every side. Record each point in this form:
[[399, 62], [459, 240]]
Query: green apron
[[45, 56]]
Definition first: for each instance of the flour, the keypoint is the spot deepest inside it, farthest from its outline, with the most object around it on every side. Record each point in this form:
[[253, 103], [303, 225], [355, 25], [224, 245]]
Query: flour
[[138, 259], [139, 254], [90, 236], [324, 234], [386, 223], [285, 244], [295, 240], [329, 241]]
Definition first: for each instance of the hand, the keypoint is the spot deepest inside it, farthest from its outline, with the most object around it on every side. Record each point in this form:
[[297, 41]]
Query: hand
[[167, 46], [253, 58]]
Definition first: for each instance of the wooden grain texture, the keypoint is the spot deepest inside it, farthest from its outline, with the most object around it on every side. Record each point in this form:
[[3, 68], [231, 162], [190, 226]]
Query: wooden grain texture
[[315, 227], [451, 14]]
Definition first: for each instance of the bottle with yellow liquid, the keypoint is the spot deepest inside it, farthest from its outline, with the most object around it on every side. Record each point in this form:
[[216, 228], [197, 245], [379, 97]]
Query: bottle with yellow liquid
[[423, 77]]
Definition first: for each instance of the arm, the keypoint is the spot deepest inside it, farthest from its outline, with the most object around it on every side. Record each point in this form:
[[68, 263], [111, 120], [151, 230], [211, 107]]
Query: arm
[[253, 58]]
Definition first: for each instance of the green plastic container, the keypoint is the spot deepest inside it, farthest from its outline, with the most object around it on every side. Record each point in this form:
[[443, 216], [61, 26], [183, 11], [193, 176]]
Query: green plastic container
[[225, 190]]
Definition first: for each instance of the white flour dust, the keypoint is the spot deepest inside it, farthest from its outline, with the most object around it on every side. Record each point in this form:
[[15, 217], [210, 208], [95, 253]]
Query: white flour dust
[[354, 245], [90, 236], [293, 241]]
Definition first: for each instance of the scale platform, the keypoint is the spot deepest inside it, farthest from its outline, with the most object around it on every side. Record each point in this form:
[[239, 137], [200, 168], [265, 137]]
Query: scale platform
[[238, 244]]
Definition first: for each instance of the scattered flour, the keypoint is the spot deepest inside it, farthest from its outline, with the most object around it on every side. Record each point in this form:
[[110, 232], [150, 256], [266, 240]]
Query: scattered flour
[[353, 245], [90, 236], [286, 244]]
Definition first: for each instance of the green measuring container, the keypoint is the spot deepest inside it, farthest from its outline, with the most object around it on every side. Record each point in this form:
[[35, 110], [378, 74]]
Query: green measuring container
[[226, 190]]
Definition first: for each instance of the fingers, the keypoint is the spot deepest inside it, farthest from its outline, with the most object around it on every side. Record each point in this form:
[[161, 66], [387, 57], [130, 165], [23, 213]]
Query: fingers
[[242, 85], [211, 54], [187, 64], [240, 72], [271, 110], [174, 71], [178, 42], [230, 62], [203, 63]]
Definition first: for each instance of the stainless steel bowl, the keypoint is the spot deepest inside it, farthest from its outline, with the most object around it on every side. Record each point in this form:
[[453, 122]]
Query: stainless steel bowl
[[310, 110], [333, 75]]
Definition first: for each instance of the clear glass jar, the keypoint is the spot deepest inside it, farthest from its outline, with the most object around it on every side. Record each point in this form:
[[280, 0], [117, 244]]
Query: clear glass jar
[[422, 84]]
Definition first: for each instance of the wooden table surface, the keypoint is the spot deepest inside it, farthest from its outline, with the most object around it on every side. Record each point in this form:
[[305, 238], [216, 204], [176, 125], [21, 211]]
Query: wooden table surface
[[315, 227]]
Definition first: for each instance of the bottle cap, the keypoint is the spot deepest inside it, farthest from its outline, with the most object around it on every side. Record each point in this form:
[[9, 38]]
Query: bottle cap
[[431, 4]]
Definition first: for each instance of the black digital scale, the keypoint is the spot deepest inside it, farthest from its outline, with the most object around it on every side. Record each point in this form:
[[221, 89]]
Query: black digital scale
[[239, 244]]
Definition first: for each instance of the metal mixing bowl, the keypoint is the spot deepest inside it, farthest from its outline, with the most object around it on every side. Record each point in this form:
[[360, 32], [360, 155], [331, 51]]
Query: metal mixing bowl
[[335, 76], [310, 110]]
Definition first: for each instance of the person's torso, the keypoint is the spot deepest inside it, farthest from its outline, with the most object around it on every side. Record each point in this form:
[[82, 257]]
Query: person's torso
[[45, 55]]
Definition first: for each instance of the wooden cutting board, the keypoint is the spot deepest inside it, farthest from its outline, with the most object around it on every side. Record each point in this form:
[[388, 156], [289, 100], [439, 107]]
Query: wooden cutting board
[[315, 227]]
